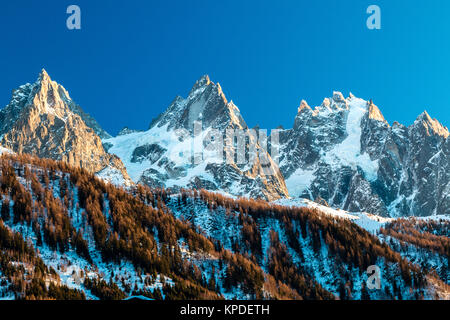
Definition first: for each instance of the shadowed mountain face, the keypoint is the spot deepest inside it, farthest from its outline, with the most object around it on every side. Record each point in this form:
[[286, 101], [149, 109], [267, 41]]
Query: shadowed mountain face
[[42, 120], [345, 152]]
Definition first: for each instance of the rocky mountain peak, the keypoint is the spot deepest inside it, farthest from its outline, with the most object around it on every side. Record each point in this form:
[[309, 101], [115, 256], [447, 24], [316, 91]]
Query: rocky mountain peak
[[49, 97], [42, 120], [43, 76], [325, 103], [202, 82], [374, 113], [126, 130], [159, 157], [336, 103], [338, 96], [347, 153], [431, 126], [303, 107], [206, 103]]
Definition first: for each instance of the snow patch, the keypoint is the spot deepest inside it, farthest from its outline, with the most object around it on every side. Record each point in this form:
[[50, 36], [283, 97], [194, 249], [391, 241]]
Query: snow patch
[[348, 153], [299, 181]]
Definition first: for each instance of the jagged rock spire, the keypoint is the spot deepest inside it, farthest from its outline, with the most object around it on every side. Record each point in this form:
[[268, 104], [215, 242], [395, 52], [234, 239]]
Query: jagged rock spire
[[303, 106], [373, 112], [46, 123], [43, 76], [432, 126], [207, 103], [203, 81]]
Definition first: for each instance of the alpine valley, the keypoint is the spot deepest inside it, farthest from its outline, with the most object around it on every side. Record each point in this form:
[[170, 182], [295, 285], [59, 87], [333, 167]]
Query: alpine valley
[[85, 215]]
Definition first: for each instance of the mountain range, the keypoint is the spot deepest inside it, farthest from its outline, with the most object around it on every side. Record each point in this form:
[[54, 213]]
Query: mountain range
[[301, 214], [342, 151]]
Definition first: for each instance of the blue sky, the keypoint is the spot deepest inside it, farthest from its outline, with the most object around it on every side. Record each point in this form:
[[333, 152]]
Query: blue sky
[[131, 58]]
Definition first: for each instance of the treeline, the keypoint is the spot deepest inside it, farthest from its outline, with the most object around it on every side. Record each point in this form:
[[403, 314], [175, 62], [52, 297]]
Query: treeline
[[429, 235]]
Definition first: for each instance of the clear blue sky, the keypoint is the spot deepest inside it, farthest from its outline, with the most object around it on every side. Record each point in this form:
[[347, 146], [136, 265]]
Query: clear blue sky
[[131, 58]]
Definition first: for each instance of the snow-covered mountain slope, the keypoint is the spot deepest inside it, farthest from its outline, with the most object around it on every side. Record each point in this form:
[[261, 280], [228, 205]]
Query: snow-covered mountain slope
[[43, 120], [345, 152], [165, 155]]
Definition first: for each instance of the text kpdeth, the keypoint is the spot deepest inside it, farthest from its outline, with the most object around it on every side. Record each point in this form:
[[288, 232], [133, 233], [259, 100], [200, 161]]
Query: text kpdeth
[[228, 309]]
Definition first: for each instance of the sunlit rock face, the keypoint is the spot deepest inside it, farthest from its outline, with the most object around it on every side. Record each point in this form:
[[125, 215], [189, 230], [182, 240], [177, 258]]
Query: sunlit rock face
[[42, 120]]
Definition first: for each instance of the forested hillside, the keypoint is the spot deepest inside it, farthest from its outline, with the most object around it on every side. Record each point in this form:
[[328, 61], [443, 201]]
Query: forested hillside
[[295, 244], [65, 234], [425, 242]]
